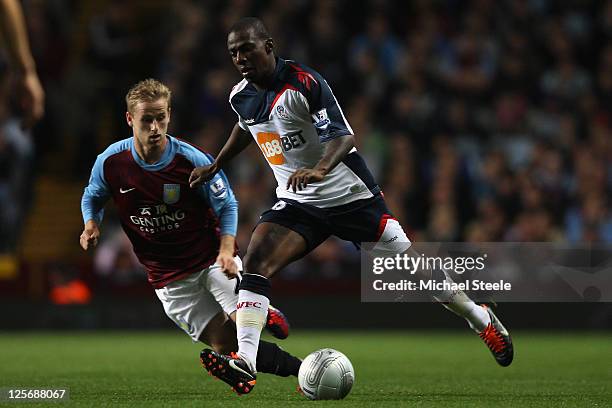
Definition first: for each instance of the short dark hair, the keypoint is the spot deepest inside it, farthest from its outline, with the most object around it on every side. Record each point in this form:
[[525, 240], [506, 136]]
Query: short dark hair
[[251, 23]]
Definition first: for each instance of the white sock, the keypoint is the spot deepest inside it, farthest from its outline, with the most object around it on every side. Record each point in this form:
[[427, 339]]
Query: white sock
[[459, 303], [251, 313]]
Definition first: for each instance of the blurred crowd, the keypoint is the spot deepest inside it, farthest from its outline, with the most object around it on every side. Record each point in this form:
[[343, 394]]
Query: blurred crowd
[[482, 120]]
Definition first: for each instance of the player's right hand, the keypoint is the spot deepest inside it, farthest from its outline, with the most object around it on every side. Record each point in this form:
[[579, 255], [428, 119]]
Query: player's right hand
[[202, 174], [90, 235], [228, 265]]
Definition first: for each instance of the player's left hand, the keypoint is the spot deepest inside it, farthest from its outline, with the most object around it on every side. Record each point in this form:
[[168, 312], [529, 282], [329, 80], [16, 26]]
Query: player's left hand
[[202, 174], [300, 178], [227, 264]]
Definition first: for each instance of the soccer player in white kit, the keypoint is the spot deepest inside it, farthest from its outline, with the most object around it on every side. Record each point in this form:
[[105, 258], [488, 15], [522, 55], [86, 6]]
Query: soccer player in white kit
[[324, 188]]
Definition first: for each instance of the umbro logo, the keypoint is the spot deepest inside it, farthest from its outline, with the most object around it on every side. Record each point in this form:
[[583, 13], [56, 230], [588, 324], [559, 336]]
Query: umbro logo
[[126, 190], [249, 121]]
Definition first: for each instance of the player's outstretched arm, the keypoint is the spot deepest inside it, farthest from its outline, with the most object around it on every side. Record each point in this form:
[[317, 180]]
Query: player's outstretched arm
[[14, 33], [90, 235], [236, 143], [335, 151]]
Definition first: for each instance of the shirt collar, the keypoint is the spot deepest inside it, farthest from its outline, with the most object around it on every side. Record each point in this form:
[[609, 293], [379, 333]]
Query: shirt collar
[[167, 155], [280, 64]]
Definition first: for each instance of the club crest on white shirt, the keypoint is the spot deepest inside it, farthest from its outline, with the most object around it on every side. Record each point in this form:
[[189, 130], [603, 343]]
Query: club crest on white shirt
[[282, 113]]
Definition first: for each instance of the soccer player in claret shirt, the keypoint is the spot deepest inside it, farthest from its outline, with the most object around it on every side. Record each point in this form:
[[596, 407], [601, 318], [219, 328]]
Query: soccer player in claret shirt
[[184, 237], [324, 186]]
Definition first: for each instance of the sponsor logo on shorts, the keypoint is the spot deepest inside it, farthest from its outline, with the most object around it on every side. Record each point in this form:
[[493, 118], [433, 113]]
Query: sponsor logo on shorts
[[279, 205], [184, 325]]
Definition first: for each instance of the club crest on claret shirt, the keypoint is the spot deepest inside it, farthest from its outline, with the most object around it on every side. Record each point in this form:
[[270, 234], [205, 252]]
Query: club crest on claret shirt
[[172, 193]]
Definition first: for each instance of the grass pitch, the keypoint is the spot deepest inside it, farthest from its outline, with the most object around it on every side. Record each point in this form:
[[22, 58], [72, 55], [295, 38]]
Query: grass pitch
[[441, 369]]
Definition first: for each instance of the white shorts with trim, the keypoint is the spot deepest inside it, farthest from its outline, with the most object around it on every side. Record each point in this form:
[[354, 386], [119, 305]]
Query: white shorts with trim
[[193, 301]]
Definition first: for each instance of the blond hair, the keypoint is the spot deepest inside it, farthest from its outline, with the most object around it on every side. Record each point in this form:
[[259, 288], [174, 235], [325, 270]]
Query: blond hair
[[148, 90]]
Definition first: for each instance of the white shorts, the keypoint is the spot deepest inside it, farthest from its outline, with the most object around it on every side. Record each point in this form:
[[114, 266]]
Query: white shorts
[[193, 301]]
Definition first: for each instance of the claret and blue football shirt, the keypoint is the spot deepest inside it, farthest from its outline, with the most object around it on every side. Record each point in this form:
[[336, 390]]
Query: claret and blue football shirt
[[174, 229]]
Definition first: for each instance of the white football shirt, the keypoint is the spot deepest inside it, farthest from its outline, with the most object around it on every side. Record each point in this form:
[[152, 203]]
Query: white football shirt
[[290, 122]]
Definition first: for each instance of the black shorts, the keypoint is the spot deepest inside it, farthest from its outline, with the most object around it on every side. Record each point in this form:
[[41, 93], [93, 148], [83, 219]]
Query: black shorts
[[359, 221]]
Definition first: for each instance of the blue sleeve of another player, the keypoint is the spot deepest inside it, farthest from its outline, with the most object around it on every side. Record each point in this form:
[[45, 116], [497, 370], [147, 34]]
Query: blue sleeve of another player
[[216, 191], [327, 116], [223, 202], [96, 193]]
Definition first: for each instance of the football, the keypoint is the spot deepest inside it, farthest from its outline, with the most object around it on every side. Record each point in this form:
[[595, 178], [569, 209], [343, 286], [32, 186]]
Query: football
[[326, 374]]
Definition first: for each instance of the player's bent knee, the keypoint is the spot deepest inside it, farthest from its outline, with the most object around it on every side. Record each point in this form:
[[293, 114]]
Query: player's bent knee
[[393, 239]]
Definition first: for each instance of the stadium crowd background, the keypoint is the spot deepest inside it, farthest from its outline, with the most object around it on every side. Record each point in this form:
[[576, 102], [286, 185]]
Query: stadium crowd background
[[482, 120]]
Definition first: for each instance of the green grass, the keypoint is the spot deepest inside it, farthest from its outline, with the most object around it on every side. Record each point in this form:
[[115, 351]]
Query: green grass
[[418, 369]]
